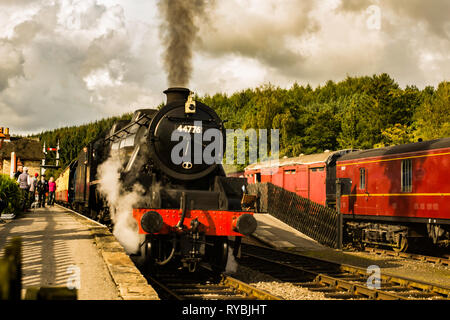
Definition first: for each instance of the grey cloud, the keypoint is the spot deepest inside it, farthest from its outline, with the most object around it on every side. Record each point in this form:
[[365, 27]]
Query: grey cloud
[[398, 48], [434, 13], [45, 64], [11, 63], [260, 37], [17, 3]]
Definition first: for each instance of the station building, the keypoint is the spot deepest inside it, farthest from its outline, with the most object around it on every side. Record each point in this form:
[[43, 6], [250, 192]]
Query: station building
[[20, 152]]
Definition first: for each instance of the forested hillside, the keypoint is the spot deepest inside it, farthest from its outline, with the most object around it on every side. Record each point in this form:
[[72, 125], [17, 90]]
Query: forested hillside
[[73, 139], [358, 112], [362, 112]]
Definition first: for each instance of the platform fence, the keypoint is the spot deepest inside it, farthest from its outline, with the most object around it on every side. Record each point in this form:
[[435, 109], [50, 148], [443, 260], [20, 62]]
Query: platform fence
[[312, 219]]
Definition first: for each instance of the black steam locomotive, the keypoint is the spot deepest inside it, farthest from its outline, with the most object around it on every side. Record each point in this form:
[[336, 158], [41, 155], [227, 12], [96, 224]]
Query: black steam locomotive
[[187, 208]]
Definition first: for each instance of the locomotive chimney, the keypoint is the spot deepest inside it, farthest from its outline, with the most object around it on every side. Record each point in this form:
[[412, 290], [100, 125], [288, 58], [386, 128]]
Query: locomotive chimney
[[174, 94]]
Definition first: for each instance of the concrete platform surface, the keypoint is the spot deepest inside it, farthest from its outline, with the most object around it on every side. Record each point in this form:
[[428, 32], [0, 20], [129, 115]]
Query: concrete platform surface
[[61, 247], [280, 235]]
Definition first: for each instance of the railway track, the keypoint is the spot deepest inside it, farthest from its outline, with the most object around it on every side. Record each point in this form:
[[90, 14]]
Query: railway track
[[443, 260], [333, 279], [204, 285]]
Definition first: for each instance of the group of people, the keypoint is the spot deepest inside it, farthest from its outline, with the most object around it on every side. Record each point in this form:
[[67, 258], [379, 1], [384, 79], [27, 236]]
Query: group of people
[[30, 186]]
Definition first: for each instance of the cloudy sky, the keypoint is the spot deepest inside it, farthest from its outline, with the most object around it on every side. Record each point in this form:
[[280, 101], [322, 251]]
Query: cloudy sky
[[68, 62]]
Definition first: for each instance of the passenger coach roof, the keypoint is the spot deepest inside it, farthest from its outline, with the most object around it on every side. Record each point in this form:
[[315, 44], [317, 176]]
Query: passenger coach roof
[[302, 159], [405, 148]]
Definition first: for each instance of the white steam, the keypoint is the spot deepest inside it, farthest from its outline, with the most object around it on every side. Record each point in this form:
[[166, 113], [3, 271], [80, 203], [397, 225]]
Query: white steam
[[232, 265], [120, 204]]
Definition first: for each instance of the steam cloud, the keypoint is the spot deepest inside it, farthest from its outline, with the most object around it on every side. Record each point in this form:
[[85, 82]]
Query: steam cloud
[[121, 204], [178, 33]]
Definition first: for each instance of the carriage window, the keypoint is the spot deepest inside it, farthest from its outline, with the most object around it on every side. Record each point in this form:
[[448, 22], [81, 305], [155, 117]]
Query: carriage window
[[407, 175], [289, 171], [362, 178]]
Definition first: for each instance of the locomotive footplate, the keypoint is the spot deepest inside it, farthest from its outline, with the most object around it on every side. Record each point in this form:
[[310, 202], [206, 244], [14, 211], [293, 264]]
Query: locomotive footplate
[[209, 222]]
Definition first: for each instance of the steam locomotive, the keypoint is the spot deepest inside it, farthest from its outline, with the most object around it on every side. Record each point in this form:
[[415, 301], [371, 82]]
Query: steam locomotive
[[188, 208]]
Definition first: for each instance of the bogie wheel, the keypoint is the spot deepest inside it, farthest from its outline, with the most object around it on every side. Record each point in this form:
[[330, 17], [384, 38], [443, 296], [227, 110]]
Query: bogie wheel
[[403, 245], [145, 261], [217, 253]]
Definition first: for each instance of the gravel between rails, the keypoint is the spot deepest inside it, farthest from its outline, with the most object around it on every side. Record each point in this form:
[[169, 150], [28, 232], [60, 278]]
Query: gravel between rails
[[284, 290]]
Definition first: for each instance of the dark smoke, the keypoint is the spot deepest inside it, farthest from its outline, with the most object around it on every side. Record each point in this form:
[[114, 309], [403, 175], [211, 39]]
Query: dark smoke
[[178, 33]]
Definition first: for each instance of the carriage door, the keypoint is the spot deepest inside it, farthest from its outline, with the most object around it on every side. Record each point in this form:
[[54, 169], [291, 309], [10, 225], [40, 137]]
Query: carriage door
[[290, 180], [317, 178]]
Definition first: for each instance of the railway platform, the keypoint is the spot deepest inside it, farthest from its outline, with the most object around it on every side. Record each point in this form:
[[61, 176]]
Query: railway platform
[[278, 234], [61, 248]]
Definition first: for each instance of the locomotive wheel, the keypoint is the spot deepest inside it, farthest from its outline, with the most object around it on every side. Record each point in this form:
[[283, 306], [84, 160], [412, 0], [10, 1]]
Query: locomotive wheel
[[218, 253], [403, 245], [145, 260]]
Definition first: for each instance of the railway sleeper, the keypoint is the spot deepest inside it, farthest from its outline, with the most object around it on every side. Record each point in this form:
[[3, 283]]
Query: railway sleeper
[[308, 284], [325, 289], [418, 294], [216, 297], [342, 295], [221, 292]]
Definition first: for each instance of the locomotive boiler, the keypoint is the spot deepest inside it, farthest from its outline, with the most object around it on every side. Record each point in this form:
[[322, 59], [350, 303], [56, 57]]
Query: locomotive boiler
[[187, 207]]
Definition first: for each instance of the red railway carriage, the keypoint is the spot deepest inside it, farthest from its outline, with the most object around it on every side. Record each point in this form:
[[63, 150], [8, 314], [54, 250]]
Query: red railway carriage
[[306, 175], [398, 193]]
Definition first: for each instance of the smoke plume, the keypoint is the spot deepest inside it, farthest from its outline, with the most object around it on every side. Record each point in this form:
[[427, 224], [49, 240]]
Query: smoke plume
[[120, 204], [178, 33]]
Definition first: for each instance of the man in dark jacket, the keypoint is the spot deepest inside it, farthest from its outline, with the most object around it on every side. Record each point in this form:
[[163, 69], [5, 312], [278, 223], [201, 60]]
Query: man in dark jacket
[[18, 173], [42, 189]]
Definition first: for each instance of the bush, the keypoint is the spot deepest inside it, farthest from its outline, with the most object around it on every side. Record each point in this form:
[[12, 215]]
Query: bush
[[10, 192]]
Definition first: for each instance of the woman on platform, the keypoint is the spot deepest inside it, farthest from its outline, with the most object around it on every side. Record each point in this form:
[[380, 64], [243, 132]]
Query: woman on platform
[[51, 191]]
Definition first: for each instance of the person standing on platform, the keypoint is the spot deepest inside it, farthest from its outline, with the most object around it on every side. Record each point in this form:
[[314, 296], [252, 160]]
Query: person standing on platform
[[33, 186], [24, 186], [18, 173], [42, 188], [51, 191]]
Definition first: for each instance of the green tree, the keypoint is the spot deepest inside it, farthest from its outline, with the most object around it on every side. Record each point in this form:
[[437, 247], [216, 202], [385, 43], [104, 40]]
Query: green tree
[[432, 119], [360, 122], [396, 135]]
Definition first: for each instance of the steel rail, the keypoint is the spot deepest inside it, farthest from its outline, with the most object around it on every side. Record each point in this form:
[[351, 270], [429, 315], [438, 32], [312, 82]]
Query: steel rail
[[414, 256], [248, 289], [352, 273], [205, 288], [327, 280]]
